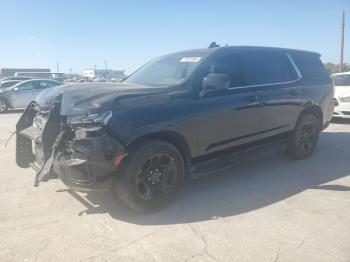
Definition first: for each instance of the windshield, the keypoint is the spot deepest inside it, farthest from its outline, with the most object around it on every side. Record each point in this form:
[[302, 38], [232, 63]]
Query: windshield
[[166, 71], [341, 80]]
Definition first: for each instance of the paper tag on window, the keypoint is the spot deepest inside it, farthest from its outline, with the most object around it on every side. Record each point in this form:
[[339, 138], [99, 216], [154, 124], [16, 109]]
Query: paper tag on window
[[191, 59]]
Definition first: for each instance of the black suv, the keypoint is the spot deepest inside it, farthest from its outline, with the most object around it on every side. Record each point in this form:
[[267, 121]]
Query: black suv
[[142, 136]]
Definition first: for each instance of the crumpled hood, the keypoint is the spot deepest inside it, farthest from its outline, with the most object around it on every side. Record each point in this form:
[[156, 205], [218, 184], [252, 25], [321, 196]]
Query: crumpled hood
[[84, 98]]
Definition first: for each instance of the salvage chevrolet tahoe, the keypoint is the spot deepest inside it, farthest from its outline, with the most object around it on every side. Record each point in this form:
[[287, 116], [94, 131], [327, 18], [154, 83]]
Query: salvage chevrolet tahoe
[[141, 137]]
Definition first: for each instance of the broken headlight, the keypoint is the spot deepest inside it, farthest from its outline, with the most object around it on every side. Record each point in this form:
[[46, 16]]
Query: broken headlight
[[93, 119]]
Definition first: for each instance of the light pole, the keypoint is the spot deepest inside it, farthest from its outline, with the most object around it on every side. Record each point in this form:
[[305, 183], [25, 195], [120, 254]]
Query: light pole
[[342, 42]]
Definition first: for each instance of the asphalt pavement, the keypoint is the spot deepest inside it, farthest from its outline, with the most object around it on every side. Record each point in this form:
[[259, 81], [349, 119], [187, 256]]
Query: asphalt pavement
[[265, 208]]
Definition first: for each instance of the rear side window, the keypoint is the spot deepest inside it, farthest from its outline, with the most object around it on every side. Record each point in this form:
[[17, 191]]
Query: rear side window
[[261, 68], [27, 86], [310, 66], [42, 85]]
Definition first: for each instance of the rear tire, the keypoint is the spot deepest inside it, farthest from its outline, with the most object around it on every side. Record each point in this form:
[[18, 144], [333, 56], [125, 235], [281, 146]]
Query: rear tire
[[150, 176], [304, 138], [3, 106]]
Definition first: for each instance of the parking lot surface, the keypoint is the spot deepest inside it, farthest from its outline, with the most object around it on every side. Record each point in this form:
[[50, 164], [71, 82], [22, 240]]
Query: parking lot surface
[[263, 208]]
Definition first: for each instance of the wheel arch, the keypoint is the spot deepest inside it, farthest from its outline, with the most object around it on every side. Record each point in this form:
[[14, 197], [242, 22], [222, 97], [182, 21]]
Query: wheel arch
[[171, 137], [312, 109], [5, 100]]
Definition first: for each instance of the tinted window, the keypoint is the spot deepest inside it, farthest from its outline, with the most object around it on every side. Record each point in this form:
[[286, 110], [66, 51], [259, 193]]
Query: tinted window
[[42, 85], [310, 66], [229, 65], [266, 68]]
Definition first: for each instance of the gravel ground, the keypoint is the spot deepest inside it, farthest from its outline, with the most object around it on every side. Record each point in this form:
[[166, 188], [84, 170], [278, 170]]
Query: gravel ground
[[270, 208]]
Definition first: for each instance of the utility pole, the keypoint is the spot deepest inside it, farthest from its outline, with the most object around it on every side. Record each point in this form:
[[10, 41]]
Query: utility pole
[[342, 42], [57, 67], [106, 64]]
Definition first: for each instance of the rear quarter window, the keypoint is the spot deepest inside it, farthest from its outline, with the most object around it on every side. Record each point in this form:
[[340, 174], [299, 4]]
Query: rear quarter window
[[311, 67]]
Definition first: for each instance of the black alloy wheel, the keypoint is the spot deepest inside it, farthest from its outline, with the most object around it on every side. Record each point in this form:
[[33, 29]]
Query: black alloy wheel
[[304, 138], [151, 176], [156, 177]]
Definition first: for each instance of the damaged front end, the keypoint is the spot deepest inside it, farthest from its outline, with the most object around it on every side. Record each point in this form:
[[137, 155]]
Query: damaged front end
[[79, 150]]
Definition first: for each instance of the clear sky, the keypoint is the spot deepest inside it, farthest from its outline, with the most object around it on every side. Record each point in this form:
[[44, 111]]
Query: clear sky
[[81, 34]]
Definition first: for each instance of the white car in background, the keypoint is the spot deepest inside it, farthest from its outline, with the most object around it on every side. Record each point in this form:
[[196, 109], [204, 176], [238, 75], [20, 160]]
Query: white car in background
[[341, 83]]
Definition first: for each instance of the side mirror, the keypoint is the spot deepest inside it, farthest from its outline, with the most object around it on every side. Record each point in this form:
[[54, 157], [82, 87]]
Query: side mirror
[[215, 84]]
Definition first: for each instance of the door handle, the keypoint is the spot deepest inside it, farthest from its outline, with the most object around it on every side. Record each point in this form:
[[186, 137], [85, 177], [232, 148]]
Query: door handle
[[251, 98]]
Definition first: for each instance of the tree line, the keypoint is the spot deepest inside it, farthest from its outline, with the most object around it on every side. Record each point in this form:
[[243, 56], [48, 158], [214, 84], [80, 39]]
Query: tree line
[[334, 68]]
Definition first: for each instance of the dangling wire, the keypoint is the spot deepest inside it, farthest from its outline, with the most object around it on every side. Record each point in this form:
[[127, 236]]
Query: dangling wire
[[8, 140]]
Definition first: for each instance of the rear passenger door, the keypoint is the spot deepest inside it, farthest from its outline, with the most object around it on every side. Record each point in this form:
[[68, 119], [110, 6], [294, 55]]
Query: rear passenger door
[[275, 75]]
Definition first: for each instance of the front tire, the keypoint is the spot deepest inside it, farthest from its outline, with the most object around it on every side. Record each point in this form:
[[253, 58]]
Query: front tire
[[3, 106], [151, 176], [304, 138]]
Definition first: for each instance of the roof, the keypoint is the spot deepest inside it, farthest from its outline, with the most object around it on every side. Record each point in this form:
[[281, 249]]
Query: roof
[[210, 50], [40, 79]]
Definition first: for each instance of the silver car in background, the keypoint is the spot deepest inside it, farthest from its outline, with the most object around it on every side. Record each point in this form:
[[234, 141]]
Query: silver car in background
[[21, 94]]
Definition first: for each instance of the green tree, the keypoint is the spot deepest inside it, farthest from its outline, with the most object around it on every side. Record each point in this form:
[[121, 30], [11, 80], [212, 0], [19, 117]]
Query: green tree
[[334, 68]]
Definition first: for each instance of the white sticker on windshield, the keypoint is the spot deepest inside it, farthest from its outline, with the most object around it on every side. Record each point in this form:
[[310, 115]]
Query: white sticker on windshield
[[191, 59]]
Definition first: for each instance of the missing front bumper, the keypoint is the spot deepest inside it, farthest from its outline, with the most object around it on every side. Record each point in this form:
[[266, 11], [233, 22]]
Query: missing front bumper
[[81, 163], [89, 165]]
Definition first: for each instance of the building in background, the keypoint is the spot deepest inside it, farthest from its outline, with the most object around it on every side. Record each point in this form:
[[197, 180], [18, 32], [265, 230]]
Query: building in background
[[103, 74], [5, 72]]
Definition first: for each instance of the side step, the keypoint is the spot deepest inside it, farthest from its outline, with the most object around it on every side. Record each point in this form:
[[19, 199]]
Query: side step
[[237, 157]]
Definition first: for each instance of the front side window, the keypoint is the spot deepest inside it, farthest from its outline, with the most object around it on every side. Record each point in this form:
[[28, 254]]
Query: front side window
[[166, 71], [26, 86], [229, 65], [341, 80]]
